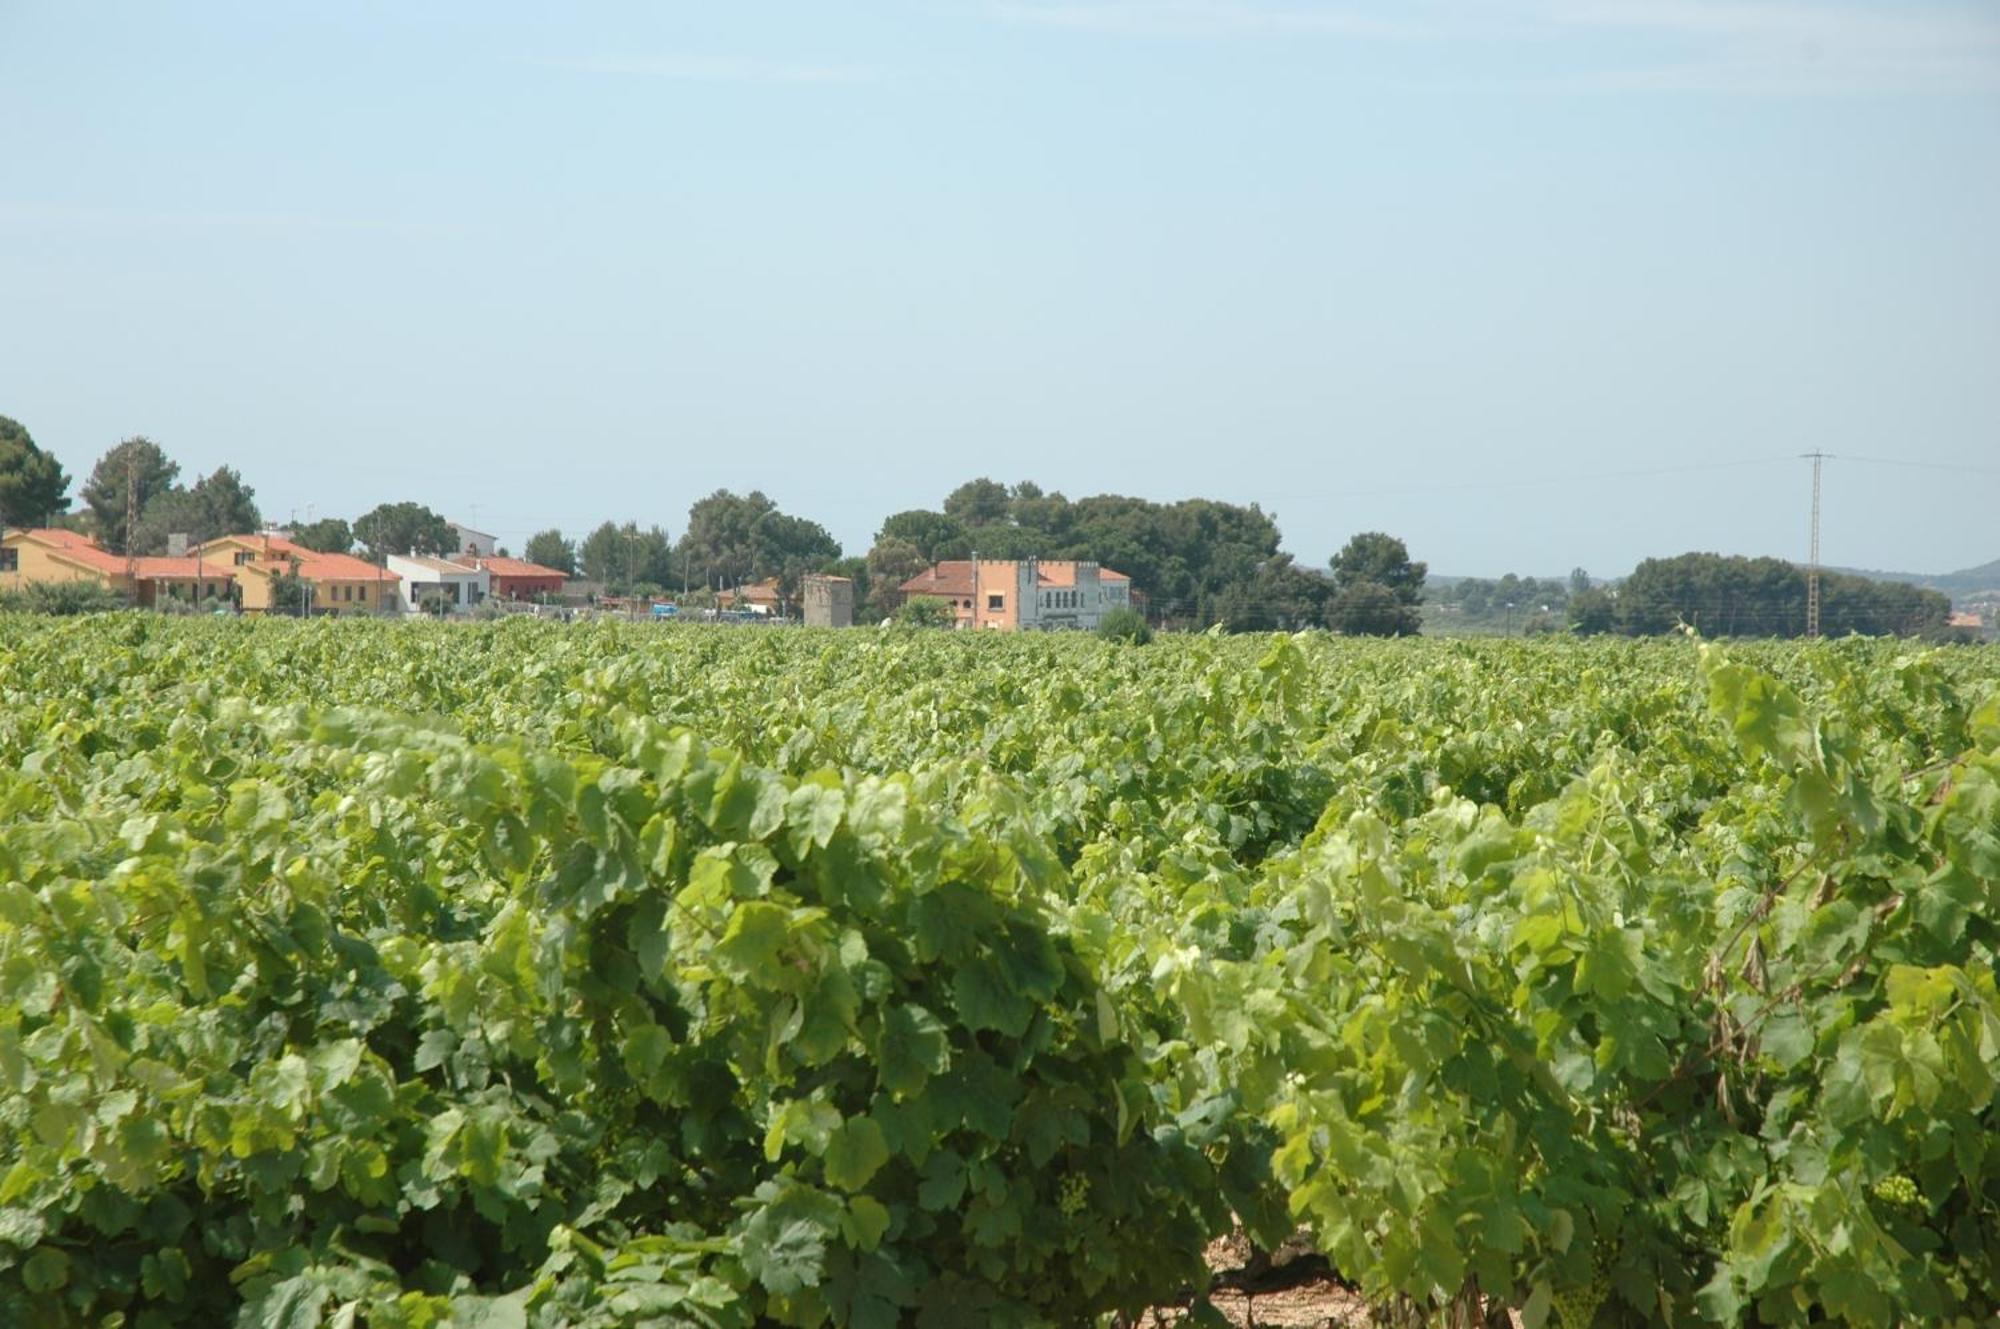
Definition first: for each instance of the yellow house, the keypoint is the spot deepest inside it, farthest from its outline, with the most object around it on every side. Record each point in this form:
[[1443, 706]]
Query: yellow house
[[235, 568], [185, 581], [28, 556], [338, 583]]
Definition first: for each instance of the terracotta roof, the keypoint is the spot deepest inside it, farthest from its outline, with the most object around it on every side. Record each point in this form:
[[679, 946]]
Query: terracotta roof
[[277, 544], [1062, 572], [340, 567], [320, 567], [501, 566], [177, 569], [85, 552], [56, 535], [954, 576], [80, 550], [951, 577]]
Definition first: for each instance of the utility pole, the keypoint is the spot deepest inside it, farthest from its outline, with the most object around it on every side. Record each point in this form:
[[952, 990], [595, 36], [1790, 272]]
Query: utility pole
[[1812, 557]]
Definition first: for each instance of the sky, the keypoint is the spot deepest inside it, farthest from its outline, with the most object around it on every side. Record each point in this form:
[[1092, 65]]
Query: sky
[[1532, 284]]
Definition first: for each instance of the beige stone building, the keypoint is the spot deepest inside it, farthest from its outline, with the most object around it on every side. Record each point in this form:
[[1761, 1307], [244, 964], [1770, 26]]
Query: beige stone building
[[1023, 595]]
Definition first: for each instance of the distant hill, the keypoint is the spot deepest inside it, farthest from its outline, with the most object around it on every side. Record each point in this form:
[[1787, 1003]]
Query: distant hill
[[1964, 582]]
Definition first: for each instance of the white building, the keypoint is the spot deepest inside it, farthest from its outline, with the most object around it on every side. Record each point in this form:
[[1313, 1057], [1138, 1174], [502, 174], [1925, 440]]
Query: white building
[[469, 543], [1027, 595], [1058, 595], [424, 582]]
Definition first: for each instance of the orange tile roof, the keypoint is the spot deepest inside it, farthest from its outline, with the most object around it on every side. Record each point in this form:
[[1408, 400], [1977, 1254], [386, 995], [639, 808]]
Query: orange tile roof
[[67, 539], [80, 550], [1062, 572], [340, 567], [321, 567], [175, 569], [85, 552], [953, 576], [276, 544], [502, 566]]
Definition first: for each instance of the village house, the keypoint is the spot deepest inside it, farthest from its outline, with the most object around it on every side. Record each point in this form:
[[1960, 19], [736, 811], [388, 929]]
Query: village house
[[334, 583], [46, 555], [430, 585], [471, 544], [1023, 595], [189, 581], [55, 555], [759, 597], [518, 579]]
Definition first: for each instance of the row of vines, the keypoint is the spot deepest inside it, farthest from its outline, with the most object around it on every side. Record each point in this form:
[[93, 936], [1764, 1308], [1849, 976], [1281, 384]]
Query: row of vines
[[528, 975]]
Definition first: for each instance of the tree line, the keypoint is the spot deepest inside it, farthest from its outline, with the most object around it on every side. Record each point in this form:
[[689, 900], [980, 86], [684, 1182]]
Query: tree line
[[1727, 596], [1195, 562]]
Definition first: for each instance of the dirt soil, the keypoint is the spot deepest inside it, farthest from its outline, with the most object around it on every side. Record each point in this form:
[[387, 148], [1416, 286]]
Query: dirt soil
[[1312, 1301]]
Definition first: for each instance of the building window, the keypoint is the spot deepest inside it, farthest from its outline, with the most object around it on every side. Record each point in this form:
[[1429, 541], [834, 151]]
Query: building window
[[244, 556], [995, 603], [10, 560]]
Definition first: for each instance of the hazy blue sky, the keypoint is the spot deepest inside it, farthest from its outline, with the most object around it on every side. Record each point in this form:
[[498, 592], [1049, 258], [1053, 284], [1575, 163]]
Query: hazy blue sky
[[1455, 270]]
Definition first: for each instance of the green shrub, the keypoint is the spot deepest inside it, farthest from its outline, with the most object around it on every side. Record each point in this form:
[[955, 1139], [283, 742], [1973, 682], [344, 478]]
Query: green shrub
[[61, 598], [1125, 625], [925, 611]]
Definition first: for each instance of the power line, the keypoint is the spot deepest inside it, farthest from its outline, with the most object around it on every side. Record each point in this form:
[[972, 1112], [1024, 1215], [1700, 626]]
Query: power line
[[1571, 477], [1921, 465]]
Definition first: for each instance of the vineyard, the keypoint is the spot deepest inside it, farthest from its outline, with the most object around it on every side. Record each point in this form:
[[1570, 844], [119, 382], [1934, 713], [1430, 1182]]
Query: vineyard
[[520, 975]]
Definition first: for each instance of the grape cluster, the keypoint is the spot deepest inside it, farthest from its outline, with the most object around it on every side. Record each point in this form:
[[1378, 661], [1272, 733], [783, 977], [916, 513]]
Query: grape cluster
[[1073, 1195], [1898, 1190], [1576, 1306]]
